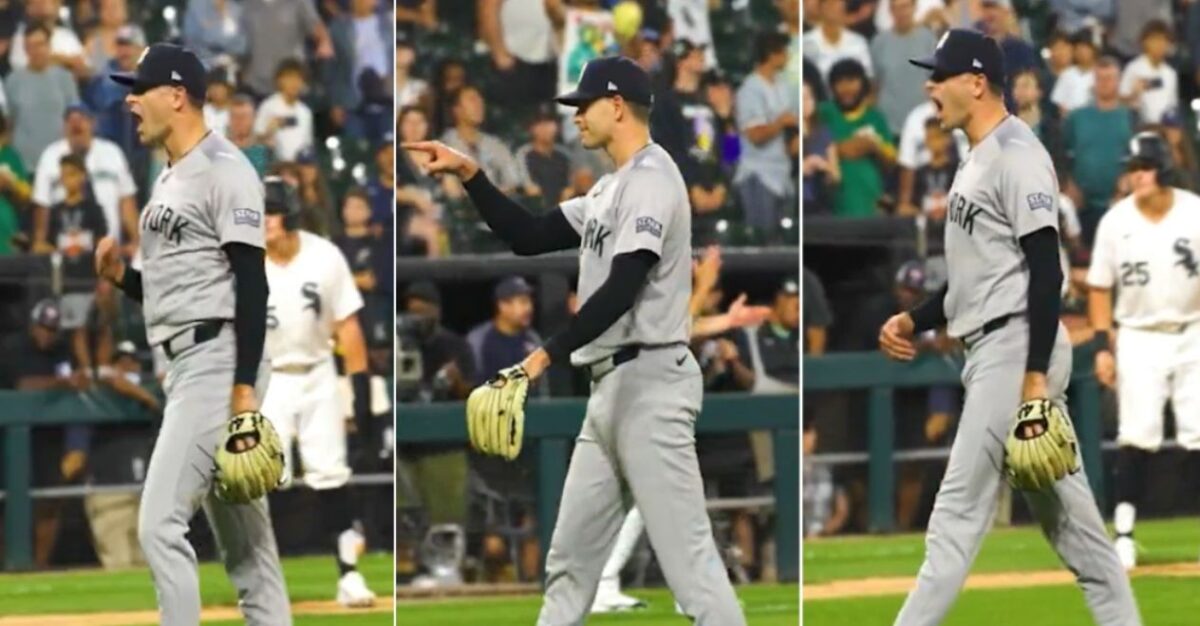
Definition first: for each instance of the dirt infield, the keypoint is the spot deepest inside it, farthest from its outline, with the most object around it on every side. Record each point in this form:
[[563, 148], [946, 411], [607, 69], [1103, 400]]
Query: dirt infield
[[900, 585], [130, 618]]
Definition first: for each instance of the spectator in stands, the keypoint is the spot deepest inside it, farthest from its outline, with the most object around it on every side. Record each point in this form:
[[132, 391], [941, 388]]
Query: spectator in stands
[[1075, 84], [509, 336], [103, 41], [1059, 55], [381, 189], [1130, 22], [449, 78], [1095, 139], [106, 97], [112, 185], [864, 143], [361, 84], [422, 13], [363, 249], [543, 166], [1046, 123], [822, 175], [45, 356], [218, 102], [214, 30], [690, 22], [317, 208], [772, 349], [913, 152], [826, 505], [1000, 23], [419, 197], [831, 41], [284, 121], [718, 93], [76, 224], [1149, 84], [275, 31], [764, 115], [931, 185], [14, 191], [1183, 150], [64, 48], [468, 137], [448, 364], [520, 38], [816, 317], [900, 84], [724, 365], [38, 93], [1075, 15], [241, 134], [410, 90]]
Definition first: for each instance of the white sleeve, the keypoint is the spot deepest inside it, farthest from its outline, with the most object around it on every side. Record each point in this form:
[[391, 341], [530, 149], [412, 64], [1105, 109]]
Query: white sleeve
[[1102, 273], [910, 143], [346, 298], [1127, 79], [262, 117], [125, 183], [1059, 94], [43, 180]]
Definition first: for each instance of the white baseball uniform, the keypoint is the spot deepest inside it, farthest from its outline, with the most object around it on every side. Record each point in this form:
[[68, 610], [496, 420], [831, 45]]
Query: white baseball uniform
[[309, 295], [1155, 271]]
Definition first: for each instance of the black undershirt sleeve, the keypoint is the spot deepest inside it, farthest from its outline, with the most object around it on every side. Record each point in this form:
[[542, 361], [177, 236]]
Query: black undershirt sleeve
[[527, 234], [250, 308], [625, 281], [131, 284], [1045, 295], [931, 312]]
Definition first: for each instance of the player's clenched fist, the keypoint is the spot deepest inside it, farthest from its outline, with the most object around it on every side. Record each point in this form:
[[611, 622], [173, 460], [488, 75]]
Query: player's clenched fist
[[109, 264], [442, 159], [895, 338], [1106, 369]]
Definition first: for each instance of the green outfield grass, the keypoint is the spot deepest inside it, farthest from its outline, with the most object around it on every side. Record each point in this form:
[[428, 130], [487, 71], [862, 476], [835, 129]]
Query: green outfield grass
[[94, 591], [765, 605], [1163, 600]]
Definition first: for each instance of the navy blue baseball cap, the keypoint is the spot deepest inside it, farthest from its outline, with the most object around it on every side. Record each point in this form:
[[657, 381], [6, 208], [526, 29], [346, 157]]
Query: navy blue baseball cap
[[511, 287], [166, 64], [963, 51], [611, 76]]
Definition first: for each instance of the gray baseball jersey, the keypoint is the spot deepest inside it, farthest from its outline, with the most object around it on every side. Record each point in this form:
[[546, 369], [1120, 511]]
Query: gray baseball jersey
[[1005, 189], [210, 197], [643, 205]]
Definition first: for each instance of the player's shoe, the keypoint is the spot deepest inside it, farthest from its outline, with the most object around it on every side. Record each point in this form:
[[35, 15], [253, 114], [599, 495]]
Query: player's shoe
[[1126, 552], [609, 599], [352, 591]]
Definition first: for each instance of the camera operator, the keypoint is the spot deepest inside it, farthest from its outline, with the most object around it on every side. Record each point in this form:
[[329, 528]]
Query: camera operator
[[432, 363]]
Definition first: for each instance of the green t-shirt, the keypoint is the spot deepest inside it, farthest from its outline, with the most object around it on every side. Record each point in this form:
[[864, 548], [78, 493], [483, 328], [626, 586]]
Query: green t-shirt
[[9, 225], [1096, 141], [862, 180]]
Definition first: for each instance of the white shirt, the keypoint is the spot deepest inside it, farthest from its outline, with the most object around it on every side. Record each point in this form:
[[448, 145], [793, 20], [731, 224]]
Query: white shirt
[[1073, 89], [527, 31], [1154, 268], [108, 173], [217, 119], [824, 53], [62, 41], [913, 153], [689, 19], [309, 296], [1157, 100], [290, 140], [883, 12]]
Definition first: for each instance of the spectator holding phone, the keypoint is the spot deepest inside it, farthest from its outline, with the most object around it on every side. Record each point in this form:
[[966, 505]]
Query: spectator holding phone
[[284, 122], [1149, 84]]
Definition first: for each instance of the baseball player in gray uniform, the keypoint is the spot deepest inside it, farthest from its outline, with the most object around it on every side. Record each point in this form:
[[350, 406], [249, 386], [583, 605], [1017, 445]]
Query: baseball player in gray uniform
[[203, 290], [633, 233], [1002, 302]]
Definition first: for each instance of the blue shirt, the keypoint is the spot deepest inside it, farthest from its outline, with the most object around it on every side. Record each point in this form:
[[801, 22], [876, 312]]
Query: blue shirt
[[495, 350]]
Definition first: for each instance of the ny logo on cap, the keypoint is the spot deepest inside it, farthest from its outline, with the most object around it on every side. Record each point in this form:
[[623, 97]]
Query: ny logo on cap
[[976, 64], [175, 75], [611, 86]]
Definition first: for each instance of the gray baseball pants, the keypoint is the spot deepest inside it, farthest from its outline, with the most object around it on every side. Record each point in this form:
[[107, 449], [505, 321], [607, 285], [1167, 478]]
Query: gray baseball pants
[[639, 437], [966, 502], [179, 481]]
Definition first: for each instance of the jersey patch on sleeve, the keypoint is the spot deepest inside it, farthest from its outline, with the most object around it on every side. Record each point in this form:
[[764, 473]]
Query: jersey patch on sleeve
[[649, 225], [1040, 200], [246, 217]]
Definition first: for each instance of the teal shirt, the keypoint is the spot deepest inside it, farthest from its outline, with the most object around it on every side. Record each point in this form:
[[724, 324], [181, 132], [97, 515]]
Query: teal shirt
[[9, 226], [259, 156], [1096, 141]]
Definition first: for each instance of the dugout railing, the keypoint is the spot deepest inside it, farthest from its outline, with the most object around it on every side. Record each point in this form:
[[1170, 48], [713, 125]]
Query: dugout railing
[[879, 378], [550, 426]]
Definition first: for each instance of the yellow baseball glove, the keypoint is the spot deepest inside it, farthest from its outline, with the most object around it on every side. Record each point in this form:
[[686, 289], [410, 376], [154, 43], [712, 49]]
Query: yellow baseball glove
[[496, 413], [1041, 447], [250, 460]]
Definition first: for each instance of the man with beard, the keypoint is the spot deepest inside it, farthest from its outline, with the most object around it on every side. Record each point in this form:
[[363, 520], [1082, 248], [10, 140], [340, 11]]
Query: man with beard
[[864, 142]]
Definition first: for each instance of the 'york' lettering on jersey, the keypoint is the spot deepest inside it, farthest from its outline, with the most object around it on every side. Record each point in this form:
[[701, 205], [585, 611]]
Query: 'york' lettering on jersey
[[594, 234], [963, 212], [161, 219]]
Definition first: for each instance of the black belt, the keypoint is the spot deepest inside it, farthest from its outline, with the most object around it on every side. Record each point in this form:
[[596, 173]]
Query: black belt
[[625, 354], [988, 328], [193, 336]]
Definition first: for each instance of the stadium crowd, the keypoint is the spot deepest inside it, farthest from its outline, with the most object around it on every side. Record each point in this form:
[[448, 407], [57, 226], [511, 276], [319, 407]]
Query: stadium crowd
[[303, 88]]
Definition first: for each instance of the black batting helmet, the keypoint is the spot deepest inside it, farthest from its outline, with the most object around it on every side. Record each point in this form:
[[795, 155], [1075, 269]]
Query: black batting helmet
[[281, 199], [1149, 150]]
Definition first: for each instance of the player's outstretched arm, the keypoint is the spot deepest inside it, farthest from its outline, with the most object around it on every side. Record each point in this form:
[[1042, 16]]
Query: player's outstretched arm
[[111, 267], [525, 233]]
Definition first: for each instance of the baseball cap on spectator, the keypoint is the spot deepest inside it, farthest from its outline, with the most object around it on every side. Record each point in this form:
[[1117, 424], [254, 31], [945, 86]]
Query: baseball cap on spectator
[[847, 68], [715, 77], [126, 349], [424, 291], [789, 287], [386, 141], [963, 51], [544, 112], [511, 287], [306, 156], [911, 275], [684, 47], [128, 34], [164, 64], [610, 76], [78, 107], [1172, 119], [46, 314]]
